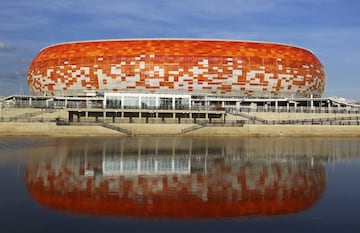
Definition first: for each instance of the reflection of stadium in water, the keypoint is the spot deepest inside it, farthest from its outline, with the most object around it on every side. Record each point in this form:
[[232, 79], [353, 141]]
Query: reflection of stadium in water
[[175, 179]]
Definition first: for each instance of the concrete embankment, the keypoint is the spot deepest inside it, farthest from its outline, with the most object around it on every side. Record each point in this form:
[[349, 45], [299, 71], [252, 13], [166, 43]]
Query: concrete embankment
[[51, 129], [246, 130]]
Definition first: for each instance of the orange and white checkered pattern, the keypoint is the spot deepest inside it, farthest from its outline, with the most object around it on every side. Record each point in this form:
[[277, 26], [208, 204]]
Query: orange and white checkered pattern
[[177, 66]]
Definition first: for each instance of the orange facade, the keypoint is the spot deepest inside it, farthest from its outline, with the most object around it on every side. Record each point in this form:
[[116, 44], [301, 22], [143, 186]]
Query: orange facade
[[177, 66]]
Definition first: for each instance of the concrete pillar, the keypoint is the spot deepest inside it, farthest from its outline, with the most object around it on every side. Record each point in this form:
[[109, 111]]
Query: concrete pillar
[[71, 116], [237, 107], [104, 101], [47, 102], [157, 101], [311, 103]]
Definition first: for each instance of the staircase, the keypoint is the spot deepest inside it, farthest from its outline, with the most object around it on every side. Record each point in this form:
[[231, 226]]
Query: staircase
[[119, 129], [27, 116], [193, 128], [252, 118]]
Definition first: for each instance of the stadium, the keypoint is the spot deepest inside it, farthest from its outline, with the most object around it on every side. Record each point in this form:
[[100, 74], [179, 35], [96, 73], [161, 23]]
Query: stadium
[[177, 79], [196, 67], [176, 73]]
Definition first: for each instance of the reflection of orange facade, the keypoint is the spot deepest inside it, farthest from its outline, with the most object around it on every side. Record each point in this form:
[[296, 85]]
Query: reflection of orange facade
[[225, 190], [233, 68]]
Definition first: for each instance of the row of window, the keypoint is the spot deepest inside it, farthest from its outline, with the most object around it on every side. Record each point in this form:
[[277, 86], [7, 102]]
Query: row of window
[[147, 102]]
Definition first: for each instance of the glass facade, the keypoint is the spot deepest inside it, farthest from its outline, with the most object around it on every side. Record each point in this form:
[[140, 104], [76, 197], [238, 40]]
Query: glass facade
[[165, 103], [131, 102], [146, 101], [113, 102]]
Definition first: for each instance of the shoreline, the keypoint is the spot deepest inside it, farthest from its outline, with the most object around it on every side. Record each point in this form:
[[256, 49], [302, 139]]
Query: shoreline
[[50, 129]]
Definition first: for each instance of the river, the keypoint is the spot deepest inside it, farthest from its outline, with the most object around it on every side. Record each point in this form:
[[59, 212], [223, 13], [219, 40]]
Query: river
[[179, 184]]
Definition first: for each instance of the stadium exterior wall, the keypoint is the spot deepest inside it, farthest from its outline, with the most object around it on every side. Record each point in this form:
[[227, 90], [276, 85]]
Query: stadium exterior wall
[[177, 66]]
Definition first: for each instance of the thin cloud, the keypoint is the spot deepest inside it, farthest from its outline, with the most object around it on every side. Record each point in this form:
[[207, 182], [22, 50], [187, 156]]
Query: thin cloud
[[5, 47], [14, 75]]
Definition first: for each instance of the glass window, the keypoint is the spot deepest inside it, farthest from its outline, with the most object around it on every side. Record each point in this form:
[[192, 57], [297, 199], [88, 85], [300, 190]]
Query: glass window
[[165, 103], [148, 102], [131, 102], [181, 103], [113, 102]]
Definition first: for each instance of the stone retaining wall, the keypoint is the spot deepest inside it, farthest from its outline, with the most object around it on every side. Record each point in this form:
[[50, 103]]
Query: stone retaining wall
[[51, 129]]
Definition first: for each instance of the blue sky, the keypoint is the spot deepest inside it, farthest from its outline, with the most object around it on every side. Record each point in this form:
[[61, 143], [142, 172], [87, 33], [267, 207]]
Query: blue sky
[[329, 28]]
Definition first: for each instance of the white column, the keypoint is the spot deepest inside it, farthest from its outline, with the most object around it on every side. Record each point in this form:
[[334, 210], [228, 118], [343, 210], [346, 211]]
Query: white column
[[157, 101]]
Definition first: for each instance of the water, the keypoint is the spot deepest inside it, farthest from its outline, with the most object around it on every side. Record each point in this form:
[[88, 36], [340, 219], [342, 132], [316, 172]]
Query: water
[[162, 184]]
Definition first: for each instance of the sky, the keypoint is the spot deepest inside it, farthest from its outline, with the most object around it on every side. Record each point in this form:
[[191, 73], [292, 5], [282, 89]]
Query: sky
[[329, 28]]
